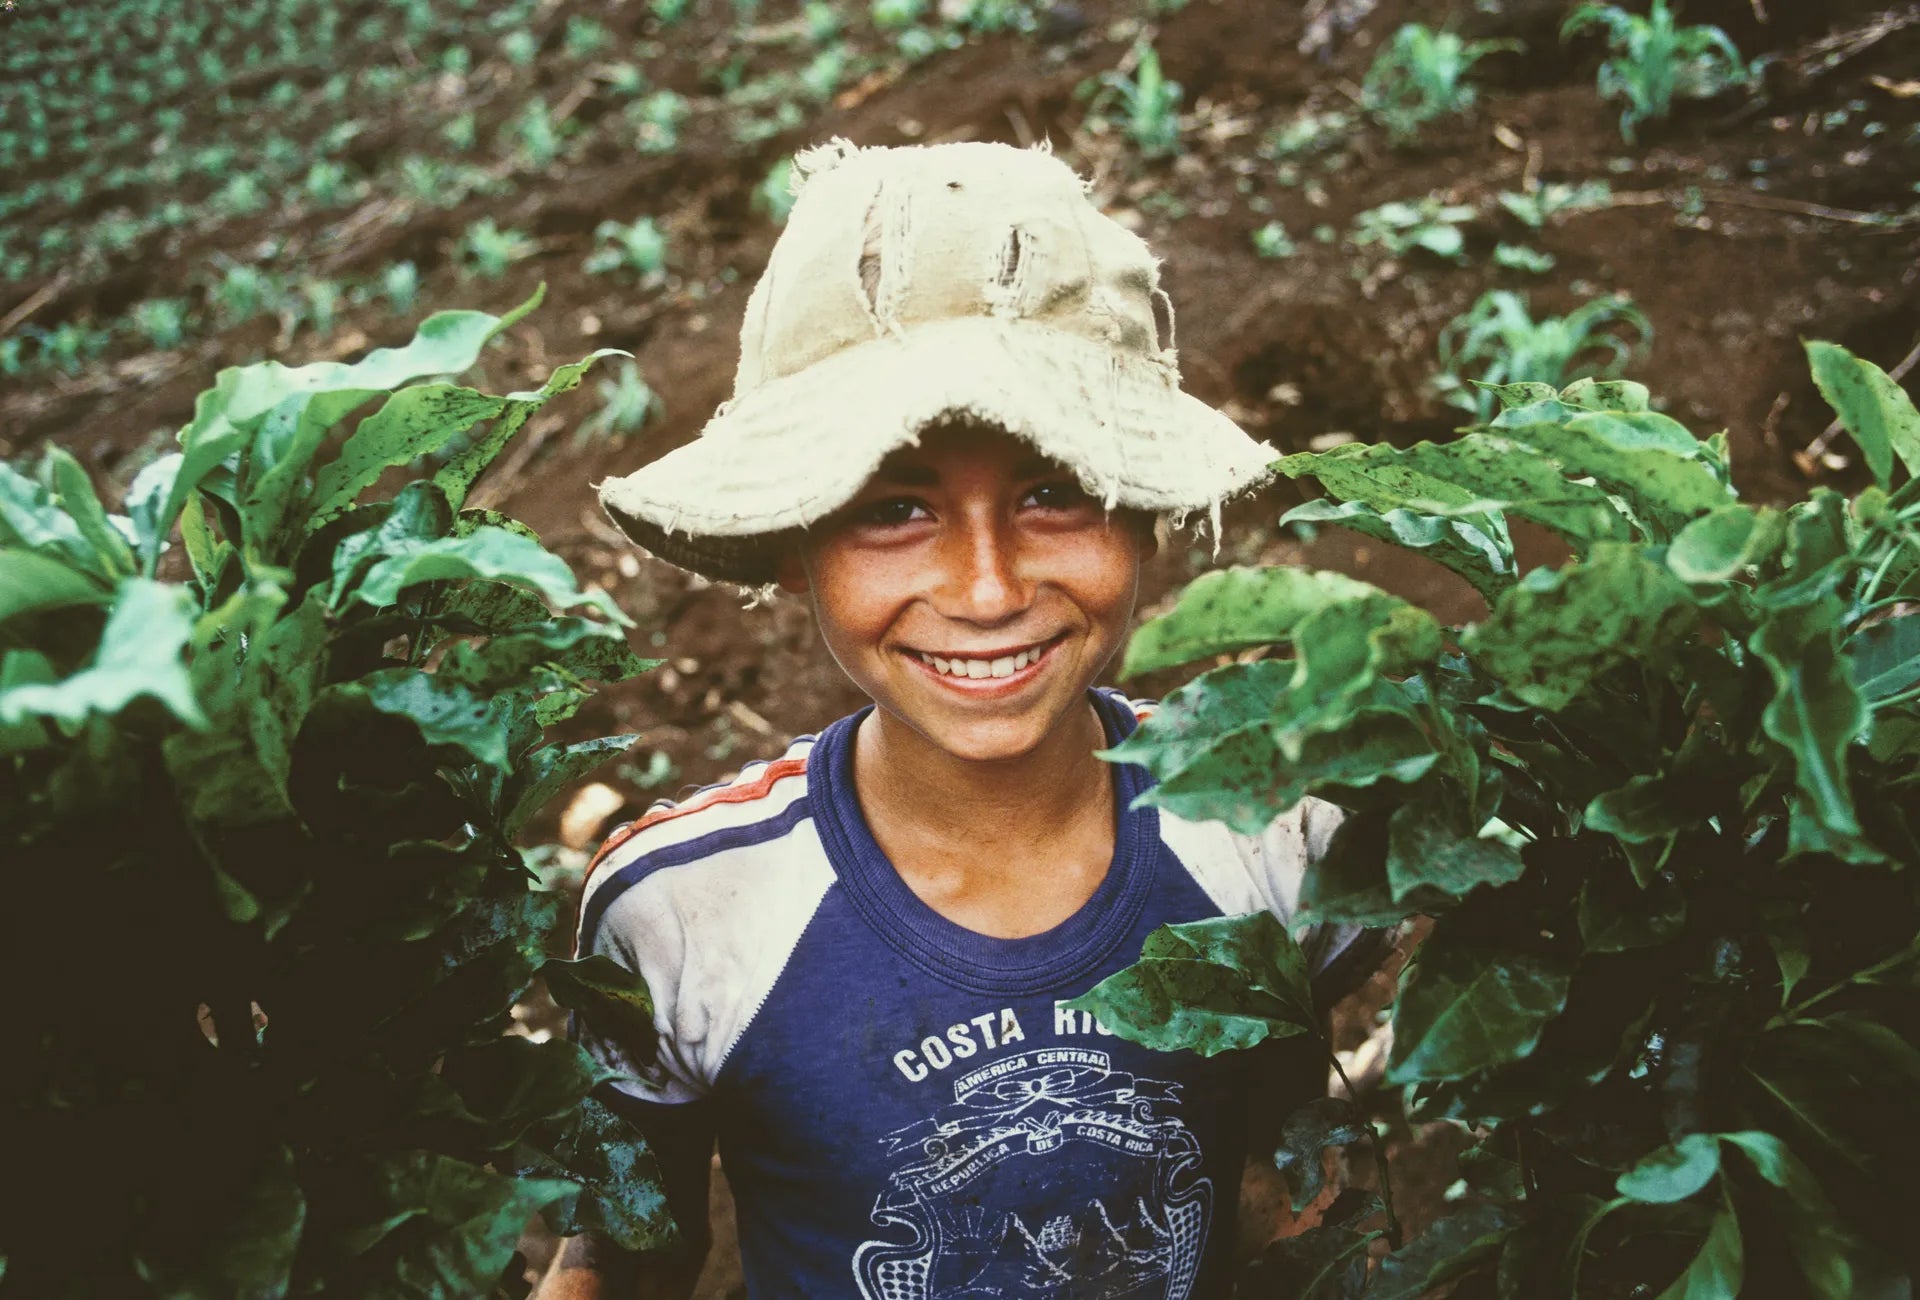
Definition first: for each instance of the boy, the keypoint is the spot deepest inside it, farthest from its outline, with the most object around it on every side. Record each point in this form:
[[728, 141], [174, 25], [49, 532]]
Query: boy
[[956, 416]]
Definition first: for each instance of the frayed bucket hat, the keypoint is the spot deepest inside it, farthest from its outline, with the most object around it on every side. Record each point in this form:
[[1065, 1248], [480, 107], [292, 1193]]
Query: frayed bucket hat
[[926, 284]]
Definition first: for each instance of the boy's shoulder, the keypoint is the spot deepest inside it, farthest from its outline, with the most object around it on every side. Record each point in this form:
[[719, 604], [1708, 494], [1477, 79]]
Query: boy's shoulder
[[756, 809]]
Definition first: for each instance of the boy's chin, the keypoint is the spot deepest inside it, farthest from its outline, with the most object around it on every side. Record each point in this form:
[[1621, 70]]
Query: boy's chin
[[1003, 738]]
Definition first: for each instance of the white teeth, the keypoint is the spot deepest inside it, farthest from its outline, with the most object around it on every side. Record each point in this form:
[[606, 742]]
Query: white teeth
[[1004, 666]]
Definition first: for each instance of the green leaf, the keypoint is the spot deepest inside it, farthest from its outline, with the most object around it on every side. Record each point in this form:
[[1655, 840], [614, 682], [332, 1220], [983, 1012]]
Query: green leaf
[[1549, 637], [1469, 478], [33, 519], [1328, 1262], [446, 713], [140, 654], [412, 423], [1209, 987], [1816, 711], [1725, 543], [31, 581], [1348, 883], [1883, 658], [1476, 548], [580, 647], [492, 553], [251, 1245], [508, 1084], [1229, 610], [620, 1194], [1717, 1271], [1427, 854], [1450, 1247], [546, 771], [74, 493], [1304, 1138], [1872, 407], [1651, 461], [1465, 1008], [614, 999], [1619, 914], [1673, 1173], [1246, 779], [1646, 815], [474, 1218], [457, 477]]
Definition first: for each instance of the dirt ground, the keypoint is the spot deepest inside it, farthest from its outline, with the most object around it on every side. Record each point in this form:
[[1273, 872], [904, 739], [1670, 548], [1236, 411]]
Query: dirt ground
[[1739, 227]]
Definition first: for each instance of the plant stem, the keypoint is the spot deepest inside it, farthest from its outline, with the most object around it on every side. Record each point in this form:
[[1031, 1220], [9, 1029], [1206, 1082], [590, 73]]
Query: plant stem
[[1379, 1153]]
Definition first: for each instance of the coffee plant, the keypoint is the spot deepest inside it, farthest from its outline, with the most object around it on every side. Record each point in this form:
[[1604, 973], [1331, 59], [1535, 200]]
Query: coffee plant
[[1660, 804], [266, 917]]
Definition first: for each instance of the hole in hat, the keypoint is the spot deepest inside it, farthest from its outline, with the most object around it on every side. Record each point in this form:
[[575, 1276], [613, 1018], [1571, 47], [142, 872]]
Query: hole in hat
[[953, 185]]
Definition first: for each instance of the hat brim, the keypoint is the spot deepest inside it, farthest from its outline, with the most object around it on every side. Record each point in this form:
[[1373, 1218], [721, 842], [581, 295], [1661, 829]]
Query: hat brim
[[799, 447]]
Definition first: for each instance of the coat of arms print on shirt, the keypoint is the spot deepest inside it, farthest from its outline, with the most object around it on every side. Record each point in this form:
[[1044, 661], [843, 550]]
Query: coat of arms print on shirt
[[1051, 1174]]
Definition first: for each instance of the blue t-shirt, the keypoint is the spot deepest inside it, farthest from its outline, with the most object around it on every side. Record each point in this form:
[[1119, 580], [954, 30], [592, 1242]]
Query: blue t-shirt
[[903, 1107]]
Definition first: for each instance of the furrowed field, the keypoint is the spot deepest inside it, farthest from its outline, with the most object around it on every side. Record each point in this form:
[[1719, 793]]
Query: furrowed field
[[550, 214]]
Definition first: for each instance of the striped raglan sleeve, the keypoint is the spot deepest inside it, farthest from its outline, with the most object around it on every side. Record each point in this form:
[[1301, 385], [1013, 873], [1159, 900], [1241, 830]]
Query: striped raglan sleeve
[[659, 1089]]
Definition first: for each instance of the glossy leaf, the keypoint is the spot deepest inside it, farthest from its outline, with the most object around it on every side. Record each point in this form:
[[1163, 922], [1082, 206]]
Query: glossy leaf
[[611, 996], [617, 1178], [31, 581], [546, 771], [1549, 637], [1673, 1173], [73, 490], [1718, 1270], [1208, 987], [1478, 549], [1229, 610], [1328, 1262], [492, 553], [446, 713], [1816, 710], [140, 653], [1465, 1008], [1871, 405], [1304, 1139], [1427, 855], [1468, 478], [1450, 1247], [1883, 658], [1725, 543]]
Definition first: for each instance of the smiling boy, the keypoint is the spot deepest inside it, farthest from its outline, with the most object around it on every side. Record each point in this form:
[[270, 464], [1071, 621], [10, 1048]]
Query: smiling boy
[[956, 419]]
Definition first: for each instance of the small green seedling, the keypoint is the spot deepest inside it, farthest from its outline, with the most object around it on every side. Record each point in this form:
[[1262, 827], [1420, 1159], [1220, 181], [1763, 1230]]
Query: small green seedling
[[656, 121], [1519, 257], [1653, 60], [626, 404], [1497, 341], [895, 15], [1540, 205], [1422, 75], [772, 195], [639, 248], [162, 322], [1272, 240], [400, 286], [488, 251], [1151, 101], [1401, 227]]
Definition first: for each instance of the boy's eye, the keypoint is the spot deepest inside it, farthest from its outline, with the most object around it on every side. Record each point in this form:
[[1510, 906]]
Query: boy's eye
[[890, 510], [1060, 494]]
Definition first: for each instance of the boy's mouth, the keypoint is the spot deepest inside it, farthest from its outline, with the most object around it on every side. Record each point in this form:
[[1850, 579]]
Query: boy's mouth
[[994, 665]]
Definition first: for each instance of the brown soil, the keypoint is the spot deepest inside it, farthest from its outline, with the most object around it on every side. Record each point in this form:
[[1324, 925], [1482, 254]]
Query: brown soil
[[1737, 230]]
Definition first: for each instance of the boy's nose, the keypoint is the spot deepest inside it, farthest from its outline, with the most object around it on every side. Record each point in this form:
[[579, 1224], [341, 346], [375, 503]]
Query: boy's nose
[[983, 576]]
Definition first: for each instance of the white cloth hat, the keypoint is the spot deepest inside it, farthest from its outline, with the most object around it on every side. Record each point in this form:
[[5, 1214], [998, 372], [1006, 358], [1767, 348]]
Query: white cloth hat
[[917, 285]]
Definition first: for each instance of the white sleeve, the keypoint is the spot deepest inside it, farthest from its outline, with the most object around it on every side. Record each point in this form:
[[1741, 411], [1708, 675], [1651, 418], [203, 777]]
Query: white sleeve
[[1264, 872], [644, 934]]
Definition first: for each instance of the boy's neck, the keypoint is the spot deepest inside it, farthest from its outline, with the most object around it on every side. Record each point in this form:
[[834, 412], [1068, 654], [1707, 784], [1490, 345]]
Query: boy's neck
[[966, 835]]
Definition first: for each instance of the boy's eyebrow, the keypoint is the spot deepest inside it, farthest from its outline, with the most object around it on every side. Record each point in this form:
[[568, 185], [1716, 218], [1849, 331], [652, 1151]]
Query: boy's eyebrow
[[913, 475]]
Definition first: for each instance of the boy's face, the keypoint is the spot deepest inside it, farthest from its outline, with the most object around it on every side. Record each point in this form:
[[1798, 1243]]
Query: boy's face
[[973, 590]]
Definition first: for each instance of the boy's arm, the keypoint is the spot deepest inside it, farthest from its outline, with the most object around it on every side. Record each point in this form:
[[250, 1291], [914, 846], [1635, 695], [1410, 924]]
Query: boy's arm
[[589, 1267]]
